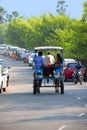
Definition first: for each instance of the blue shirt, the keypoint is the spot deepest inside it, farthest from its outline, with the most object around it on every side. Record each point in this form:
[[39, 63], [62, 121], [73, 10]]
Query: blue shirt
[[39, 62], [79, 67]]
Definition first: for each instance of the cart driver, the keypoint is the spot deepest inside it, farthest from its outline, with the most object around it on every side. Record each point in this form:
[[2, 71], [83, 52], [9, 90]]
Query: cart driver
[[39, 61]]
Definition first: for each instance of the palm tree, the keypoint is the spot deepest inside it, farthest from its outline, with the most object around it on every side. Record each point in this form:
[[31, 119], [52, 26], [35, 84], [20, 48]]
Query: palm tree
[[15, 14], [61, 7], [2, 12]]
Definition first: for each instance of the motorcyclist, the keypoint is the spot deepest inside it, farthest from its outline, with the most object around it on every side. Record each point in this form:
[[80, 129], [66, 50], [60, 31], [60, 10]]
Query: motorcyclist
[[79, 65], [78, 68]]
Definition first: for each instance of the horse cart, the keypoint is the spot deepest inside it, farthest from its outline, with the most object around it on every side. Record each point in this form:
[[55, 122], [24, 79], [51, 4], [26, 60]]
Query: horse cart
[[56, 81]]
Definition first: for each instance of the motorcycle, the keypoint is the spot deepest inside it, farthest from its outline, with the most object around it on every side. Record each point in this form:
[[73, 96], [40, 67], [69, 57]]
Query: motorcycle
[[77, 76]]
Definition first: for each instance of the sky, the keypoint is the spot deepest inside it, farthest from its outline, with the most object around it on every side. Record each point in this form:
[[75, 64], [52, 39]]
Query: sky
[[29, 8]]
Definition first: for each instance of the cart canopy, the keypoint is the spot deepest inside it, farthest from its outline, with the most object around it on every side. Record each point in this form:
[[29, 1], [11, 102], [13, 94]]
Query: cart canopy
[[48, 48]]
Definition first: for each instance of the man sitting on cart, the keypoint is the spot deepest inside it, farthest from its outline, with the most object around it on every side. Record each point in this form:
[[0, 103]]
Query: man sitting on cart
[[49, 61], [39, 61]]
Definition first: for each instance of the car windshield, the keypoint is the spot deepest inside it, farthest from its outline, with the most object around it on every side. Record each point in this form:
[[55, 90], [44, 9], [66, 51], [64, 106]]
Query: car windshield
[[3, 64], [33, 55], [71, 65]]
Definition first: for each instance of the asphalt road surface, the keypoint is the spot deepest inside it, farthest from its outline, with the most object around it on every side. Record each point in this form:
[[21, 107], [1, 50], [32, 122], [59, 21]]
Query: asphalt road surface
[[20, 109]]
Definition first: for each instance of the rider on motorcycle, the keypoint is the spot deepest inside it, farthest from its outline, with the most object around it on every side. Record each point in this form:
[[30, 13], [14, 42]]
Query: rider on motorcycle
[[78, 68], [79, 65]]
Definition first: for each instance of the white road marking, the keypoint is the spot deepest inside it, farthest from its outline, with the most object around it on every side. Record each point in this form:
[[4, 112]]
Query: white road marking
[[81, 114], [61, 128], [78, 98]]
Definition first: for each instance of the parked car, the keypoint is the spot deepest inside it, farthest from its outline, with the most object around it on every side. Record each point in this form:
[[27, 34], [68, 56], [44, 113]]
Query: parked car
[[5, 69], [69, 69], [3, 80]]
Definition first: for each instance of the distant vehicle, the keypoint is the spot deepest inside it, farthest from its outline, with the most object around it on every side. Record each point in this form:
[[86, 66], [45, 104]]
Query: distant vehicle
[[78, 76], [21, 54], [31, 59], [3, 80], [12, 50], [69, 60], [5, 69], [2, 50], [69, 69]]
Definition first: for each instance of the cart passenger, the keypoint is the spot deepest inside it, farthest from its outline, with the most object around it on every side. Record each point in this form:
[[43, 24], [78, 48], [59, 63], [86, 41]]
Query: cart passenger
[[57, 64], [39, 61], [49, 59], [59, 61]]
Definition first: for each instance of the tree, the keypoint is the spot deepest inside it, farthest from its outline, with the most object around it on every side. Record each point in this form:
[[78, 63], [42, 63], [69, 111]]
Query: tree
[[8, 18], [15, 14], [84, 16], [61, 7], [2, 12]]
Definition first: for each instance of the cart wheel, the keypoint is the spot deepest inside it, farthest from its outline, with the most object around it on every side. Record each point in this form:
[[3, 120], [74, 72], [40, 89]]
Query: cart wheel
[[62, 87], [4, 89], [7, 83], [56, 86], [38, 84], [0, 90], [85, 79], [34, 87]]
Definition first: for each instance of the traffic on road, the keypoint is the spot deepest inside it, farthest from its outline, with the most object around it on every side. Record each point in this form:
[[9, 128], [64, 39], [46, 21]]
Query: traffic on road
[[21, 109]]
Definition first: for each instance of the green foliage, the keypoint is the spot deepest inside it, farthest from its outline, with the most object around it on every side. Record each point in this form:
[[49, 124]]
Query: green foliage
[[71, 34], [84, 16], [60, 30], [3, 29]]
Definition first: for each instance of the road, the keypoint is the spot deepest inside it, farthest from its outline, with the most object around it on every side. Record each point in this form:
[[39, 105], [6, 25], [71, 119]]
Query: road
[[20, 109]]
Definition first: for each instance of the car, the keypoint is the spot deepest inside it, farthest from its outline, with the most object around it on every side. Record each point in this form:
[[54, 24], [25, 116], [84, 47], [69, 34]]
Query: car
[[69, 69], [5, 69], [31, 59], [21, 54], [3, 79], [69, 60]]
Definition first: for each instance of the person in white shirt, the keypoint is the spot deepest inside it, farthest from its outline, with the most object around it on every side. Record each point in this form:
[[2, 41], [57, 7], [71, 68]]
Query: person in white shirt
[[49, 59]]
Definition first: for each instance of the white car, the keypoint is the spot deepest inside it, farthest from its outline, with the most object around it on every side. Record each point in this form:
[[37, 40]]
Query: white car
[[3, 80], [5, 69], [31, 59]]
